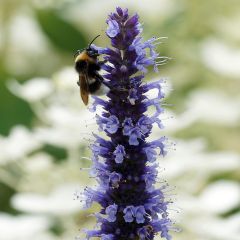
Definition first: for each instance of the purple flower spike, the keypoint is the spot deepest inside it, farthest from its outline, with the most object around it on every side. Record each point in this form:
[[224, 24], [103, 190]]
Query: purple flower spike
[[125, 162], [111, 212]]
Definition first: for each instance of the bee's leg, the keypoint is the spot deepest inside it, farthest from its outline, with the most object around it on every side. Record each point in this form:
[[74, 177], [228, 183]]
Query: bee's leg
[[78, 83], [99, 77]]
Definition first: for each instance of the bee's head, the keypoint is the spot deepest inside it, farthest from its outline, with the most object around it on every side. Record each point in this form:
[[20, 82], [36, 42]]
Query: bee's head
[[92, 52]]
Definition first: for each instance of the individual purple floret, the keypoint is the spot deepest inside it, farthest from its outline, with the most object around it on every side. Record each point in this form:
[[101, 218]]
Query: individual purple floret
[[140, 214], [119, 153], [111, 212], [113, 28], [129, 214], [125, 162]]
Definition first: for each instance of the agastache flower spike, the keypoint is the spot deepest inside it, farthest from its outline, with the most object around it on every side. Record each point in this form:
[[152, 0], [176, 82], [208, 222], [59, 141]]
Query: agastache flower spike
[[125, 163]]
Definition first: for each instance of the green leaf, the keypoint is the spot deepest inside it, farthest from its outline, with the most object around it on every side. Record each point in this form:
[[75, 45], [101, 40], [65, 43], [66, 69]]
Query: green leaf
[[14, 111], [61, 33], [59, 154]]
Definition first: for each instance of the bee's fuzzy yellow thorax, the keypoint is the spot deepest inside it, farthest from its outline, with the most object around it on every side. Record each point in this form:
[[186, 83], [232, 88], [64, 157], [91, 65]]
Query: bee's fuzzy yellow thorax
[[83, 56]]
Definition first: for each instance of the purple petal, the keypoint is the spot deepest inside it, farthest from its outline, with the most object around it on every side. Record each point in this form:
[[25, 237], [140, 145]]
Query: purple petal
[[111, 212], [113, 28], [119, 153]]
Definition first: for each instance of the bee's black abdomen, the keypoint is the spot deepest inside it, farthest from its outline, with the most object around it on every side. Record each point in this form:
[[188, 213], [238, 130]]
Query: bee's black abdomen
[[93, 67], [94, 86], [81, 66]]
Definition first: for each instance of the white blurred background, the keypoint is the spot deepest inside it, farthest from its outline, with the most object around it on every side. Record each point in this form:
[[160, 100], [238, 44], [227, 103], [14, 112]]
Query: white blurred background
[[46, 131]]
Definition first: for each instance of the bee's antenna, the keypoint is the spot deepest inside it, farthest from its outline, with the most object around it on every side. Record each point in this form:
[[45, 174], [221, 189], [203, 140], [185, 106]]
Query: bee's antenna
[[93, 41]]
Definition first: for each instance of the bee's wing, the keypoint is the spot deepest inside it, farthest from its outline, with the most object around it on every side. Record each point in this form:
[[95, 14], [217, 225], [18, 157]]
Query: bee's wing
[[84, 92]]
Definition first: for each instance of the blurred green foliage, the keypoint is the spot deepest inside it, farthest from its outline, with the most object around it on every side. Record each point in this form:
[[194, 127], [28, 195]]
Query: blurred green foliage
[[13, 110], [61, 33]]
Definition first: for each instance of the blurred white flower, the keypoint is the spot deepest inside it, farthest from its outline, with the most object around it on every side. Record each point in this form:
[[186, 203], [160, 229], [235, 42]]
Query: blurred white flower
[[219, 162], [234, 221], [196, 218], [208, 227], [220, 197], [155, 7], [62, 116], [221, 58], [38, 162], [179, 161], [228, 26], [25, 35], [57, 103], [190, 157], [214, 107], [69, 127], [61, 137], [19, 143], [66, 79], [32, 90], [26, 41], [23, 227], [207, 106], [59, 202]]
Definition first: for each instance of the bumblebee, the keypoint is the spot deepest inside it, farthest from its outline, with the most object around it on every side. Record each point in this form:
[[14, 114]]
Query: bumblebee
[[87, 66]]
